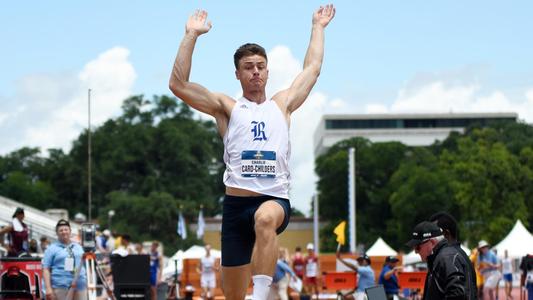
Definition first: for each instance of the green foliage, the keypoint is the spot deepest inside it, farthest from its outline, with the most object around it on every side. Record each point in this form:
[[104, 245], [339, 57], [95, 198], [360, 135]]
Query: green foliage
[[145, 163], [152, 217], [482, 177], [375, 163]]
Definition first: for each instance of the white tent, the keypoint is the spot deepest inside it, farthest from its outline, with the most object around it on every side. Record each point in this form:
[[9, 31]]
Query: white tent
[[518, 242], [380, 248], [411, 258], [177, 259], [199, 252]]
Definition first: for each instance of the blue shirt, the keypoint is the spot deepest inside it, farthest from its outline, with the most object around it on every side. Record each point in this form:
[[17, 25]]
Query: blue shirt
[[282, 268], [489, 257], [54, 259], [390, 285], [366, 278]]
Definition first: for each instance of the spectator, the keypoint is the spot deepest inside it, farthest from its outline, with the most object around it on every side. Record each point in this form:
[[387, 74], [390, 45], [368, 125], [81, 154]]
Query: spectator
[[526, 279], [104, 242], [60, 263], [488, 267], [311, 271], [280, 280], [366, 275], [479, 279], [125, 247], [139, 248], [207, 268], [44, 242], [33, 248], [18, 233], [298, 262], [389, 277], [448, 224], [447, 276], [507, 270], [156, 267]]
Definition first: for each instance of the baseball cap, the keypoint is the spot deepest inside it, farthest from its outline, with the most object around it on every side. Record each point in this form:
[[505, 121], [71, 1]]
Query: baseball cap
[[310, 246], [106, 232], [19, 210], [62, 222], [482, 244], [364, 257], [391, 259], [422, 232]]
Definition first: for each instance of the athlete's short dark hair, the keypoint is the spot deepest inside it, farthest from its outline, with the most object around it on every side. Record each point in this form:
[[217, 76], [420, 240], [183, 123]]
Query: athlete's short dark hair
[[248, 49]]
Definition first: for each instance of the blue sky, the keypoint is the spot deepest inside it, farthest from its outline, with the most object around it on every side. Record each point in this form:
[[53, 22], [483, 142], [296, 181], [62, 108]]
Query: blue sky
[[381, 56]]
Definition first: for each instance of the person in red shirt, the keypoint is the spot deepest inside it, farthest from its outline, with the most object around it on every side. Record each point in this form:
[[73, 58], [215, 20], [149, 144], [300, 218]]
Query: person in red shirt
[[298, 263], [18, 233]]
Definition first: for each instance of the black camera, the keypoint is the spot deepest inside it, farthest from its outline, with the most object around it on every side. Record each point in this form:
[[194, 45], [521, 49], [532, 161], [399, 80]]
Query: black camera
[[88, 237]]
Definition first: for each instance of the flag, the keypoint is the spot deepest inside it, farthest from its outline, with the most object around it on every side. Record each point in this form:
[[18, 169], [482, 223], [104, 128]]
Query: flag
[[339, 231], [201, 225], [182, 229]]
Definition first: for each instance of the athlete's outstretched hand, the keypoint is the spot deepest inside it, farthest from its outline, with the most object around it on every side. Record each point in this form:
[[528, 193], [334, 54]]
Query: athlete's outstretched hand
[[324, 15], [197, 24]]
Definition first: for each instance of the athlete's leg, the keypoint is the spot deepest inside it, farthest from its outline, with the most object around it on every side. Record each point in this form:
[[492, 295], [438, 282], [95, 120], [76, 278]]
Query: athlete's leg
[[268, 217], [235, 281]]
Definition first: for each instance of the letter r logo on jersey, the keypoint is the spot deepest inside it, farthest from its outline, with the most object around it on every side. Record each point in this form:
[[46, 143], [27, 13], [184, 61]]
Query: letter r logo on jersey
[[259, 131]]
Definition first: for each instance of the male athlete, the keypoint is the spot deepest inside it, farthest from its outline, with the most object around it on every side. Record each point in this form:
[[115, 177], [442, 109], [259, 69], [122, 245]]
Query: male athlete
[[255, 131]]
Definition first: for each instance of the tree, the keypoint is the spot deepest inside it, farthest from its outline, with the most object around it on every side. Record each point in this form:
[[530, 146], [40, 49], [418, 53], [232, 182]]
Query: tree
[[375, 163], [152, 217]]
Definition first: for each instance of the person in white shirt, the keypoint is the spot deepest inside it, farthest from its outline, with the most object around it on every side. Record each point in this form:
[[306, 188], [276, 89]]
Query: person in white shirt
[[507, 271], [207, 268]]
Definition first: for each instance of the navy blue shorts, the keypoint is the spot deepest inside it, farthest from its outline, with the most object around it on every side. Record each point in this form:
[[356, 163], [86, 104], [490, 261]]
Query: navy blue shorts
[[508, 277], [238, 235]]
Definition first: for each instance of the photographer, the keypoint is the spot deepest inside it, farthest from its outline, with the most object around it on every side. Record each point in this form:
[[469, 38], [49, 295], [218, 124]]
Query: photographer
[[61, 259]]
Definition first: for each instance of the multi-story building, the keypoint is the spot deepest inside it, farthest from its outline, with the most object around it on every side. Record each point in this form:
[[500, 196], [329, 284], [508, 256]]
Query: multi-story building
[[410, 129]]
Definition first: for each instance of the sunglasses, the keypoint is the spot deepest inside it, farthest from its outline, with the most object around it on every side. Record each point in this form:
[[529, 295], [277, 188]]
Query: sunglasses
[[417, 247]]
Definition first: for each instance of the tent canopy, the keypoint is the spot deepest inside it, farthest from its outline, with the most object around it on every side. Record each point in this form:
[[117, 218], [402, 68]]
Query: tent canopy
[[176, 261], [380, 248], [411, 258], [518, 242]]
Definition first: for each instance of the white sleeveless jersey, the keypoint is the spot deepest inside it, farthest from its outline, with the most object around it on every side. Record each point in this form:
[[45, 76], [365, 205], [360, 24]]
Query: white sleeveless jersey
[[208, 265], [257, 149]]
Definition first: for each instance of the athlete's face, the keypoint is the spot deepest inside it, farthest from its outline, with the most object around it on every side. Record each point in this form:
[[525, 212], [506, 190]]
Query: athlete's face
[[252, 72]]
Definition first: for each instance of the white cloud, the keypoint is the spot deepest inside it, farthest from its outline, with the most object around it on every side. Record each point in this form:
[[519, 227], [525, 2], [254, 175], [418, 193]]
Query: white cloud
[[374, 108], [50, 110], [441, 96], [283, 68]]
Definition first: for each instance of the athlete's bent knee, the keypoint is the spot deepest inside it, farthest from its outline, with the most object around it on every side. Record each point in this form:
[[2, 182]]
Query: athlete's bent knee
[[265, 223]]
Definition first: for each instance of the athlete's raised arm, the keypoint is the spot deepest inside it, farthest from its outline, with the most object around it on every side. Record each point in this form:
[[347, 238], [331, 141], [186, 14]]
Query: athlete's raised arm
[[296, 94], [193, 94]]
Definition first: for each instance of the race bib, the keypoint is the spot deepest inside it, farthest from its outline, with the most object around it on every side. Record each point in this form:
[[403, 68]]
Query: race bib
[[258, 164]]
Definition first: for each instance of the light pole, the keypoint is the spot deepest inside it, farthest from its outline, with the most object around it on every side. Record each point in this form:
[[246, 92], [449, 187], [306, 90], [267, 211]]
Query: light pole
[[89, 187], [110, 215]]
